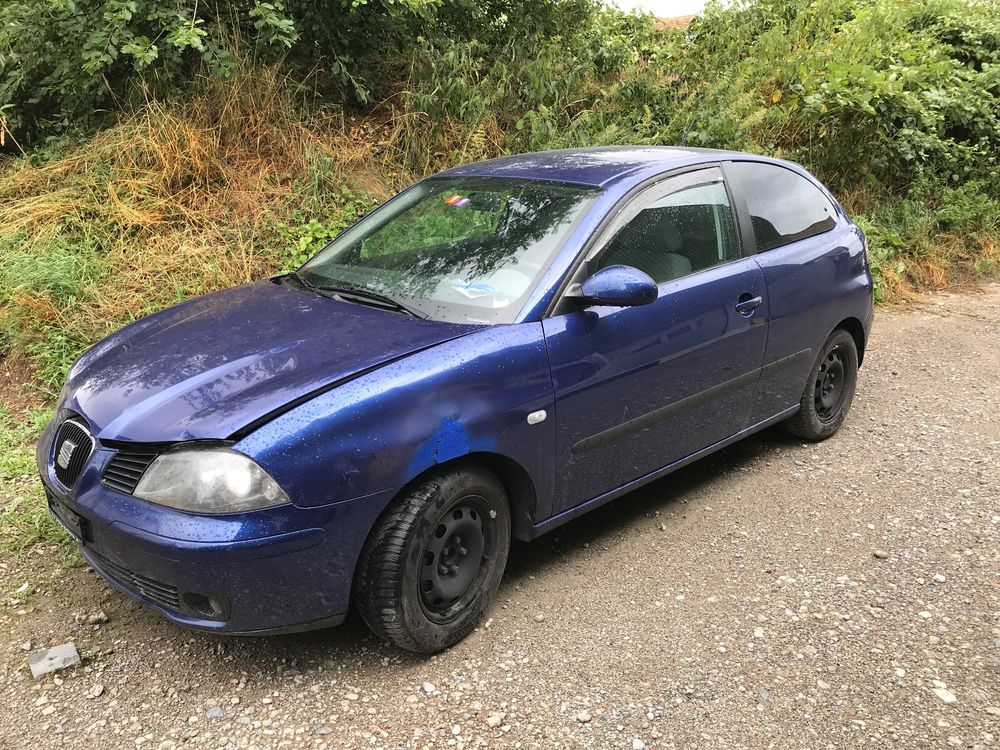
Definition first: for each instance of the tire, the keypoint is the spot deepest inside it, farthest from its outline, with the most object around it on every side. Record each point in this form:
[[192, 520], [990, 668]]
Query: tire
[[829, 391], [417, 587]]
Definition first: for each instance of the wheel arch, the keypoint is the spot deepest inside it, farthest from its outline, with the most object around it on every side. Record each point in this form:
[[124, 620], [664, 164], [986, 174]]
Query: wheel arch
[[516, 480], [857, 330]]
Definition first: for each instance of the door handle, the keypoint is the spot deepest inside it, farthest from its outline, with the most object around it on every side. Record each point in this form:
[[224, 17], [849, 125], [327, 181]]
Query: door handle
[[748, 304]]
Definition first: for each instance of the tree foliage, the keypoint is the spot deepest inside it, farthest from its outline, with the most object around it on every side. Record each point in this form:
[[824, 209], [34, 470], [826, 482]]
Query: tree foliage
[[865, 92], [63, 63]]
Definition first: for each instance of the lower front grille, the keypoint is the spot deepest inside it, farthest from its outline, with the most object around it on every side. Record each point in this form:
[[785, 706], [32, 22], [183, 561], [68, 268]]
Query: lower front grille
[[126, 468], [161, 593]]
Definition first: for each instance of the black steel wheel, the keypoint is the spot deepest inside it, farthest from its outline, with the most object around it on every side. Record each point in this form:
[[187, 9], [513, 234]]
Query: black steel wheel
[[829, 391], [831, 385], [434, 560], [455, 559]]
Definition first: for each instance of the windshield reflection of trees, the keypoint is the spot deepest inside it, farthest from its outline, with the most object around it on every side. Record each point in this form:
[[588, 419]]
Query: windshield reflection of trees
[[532, 217]]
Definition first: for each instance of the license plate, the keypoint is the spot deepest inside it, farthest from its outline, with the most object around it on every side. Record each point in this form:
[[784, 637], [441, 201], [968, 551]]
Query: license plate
[[70, 520]]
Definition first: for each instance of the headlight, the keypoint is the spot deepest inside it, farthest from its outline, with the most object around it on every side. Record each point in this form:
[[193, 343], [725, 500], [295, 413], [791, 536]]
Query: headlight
[[208, 479]]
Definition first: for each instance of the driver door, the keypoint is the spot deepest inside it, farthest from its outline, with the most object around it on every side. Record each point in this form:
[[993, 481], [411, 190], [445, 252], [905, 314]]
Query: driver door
[[639, 388]]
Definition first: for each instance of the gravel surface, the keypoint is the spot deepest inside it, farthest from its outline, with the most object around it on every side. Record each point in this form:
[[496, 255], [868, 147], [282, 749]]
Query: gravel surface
[[775, 595]]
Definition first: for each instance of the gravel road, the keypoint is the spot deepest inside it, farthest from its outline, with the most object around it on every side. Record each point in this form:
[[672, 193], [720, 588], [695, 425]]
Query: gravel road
[[776, 595]]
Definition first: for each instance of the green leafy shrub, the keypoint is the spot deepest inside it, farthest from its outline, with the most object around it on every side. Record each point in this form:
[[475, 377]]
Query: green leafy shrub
[[305, 237], [65, 65], [60, 61]]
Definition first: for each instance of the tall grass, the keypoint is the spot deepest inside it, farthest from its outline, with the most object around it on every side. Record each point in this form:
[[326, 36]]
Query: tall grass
[[24, 514], [176, 200]]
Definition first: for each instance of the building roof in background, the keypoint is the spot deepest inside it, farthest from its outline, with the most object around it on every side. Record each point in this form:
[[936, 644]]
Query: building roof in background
[[677, 22]]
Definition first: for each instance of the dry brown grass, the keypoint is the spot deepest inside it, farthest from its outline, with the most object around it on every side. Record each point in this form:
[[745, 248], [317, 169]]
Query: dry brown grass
[[944, 261], [234, 151], [181, 198]]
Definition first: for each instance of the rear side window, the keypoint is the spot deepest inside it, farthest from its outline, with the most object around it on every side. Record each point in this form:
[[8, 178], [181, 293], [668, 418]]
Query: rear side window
[[784, 206]]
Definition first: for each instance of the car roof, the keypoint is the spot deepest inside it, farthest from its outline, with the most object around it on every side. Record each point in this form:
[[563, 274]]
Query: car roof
[[599, 166]]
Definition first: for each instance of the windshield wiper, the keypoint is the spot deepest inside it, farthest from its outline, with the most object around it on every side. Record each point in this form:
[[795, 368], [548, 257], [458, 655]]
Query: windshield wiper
[[299, 279], [366, 296]]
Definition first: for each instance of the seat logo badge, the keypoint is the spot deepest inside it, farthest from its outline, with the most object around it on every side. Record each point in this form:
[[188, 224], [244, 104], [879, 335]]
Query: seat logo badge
[[537, 416], [65, 454]]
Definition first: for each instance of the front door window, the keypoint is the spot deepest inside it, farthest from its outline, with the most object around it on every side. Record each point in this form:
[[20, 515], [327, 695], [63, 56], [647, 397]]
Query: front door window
[[681, 232]]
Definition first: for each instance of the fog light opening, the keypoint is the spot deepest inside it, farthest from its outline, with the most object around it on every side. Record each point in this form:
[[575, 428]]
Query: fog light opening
[[204, 606]]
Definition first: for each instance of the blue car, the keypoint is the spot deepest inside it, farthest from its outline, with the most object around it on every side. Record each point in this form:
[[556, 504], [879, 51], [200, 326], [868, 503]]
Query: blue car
[[495, 351]]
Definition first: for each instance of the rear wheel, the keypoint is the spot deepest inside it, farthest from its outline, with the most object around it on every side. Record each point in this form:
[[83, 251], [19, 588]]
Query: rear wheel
[[829, 390], [434, 560]]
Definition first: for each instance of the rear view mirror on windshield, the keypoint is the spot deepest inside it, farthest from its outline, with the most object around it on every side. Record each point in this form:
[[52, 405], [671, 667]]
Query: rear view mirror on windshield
[[486, 202]]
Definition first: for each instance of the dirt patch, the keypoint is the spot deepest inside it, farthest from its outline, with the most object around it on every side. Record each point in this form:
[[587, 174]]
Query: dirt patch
[[17, 390]]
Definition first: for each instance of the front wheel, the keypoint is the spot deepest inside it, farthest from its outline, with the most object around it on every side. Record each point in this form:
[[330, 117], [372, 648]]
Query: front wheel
[[434, 560], [829, 390]]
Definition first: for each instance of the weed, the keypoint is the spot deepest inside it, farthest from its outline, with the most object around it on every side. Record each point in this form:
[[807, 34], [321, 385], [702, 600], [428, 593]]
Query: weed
[[305, 237], [24, 513]]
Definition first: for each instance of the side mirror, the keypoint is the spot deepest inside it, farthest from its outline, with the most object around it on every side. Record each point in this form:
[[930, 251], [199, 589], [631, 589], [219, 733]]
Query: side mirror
[[618, 286]]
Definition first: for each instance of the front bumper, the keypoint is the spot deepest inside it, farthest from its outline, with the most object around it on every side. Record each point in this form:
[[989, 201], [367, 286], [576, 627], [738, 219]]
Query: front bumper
[[126, 582], [280, 569]]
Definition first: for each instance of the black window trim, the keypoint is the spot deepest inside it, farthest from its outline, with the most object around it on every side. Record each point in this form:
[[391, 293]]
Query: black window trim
[[609, 227], [743, 209]]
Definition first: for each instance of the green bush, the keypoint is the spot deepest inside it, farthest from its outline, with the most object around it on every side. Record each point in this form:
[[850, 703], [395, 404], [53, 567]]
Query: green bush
[[63, 62], [865, 92], [893, 105], [66, 65]]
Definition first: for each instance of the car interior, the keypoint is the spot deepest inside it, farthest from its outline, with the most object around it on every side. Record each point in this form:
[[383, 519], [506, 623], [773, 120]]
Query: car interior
[[671, 242]]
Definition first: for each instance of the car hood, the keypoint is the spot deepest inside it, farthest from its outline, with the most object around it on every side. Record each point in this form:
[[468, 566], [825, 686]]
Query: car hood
[[212, 366]]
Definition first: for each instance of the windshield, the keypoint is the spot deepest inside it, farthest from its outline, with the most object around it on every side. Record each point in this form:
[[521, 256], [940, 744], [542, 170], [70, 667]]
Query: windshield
[[466, 250]]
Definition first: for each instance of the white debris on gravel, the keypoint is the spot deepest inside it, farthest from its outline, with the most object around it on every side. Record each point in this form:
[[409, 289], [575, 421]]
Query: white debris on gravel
[[944, 694], [53, 659], [90, 618]]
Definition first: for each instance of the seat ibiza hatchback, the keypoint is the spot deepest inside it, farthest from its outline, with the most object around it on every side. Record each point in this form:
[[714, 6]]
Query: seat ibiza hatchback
[[493, 352]]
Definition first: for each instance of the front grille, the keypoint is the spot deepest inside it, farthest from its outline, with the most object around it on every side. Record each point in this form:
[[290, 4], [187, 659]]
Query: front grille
[[70, 451], [126, 468], [161, 593]]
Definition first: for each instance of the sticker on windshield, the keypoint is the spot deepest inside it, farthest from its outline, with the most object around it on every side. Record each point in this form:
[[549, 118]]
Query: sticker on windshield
[[456, 200], [475, 290]]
